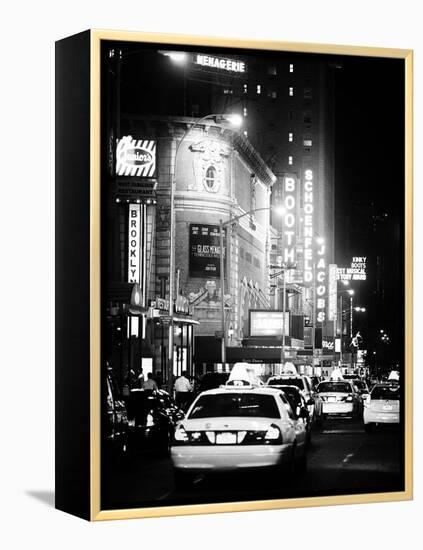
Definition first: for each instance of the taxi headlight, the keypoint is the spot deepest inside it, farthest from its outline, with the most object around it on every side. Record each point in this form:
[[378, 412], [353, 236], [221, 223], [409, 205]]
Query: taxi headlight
[[349, 398], [150, 420], [273, 434]]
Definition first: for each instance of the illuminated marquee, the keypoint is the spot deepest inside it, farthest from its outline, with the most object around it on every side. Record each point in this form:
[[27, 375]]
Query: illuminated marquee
[[220, 63], [356, 271], [321, 284], [289, 225], [136, 157], [308, 226], [134, 239]]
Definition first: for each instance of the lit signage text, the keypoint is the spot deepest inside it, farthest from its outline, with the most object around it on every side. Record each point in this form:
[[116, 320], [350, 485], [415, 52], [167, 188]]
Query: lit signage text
[[289, 224], [308, 226], [136, 157], [134, 231], [356, 271], [220, 63], [321, 284]]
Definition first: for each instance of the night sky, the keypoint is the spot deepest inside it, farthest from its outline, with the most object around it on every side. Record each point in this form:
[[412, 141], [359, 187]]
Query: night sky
[[369, 182]]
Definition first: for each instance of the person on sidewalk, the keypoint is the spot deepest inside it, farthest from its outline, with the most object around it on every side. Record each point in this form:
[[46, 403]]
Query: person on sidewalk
[[183, 390]]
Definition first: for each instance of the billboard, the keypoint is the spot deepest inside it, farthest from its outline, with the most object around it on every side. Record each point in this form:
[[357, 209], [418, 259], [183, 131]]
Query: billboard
[[204, 251], [268, 322]]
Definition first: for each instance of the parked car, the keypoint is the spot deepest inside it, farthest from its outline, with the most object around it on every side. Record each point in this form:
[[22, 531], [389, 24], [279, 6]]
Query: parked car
[[303, 383], [382, 406], [236, 428], [116, 420], [152, 420], [339, 398]]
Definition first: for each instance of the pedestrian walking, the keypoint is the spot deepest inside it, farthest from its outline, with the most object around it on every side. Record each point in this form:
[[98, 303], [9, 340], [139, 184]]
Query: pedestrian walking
[[183, 391], [150, 384]]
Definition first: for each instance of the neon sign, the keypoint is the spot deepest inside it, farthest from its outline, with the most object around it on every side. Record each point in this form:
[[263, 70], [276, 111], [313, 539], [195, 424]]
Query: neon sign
[[220, 63], [308, 226], [289, 232], [356, 271], [321, 284]]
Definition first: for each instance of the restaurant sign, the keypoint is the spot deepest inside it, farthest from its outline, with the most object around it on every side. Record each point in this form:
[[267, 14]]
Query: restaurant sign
[[136, 157]]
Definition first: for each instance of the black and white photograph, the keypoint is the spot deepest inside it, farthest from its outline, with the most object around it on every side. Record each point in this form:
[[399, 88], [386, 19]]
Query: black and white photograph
[[253, 285]]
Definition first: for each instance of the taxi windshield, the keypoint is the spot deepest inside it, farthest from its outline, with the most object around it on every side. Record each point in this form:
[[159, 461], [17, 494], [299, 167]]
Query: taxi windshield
[[385, 393], [334, 387], [286, 382], [235, 404]]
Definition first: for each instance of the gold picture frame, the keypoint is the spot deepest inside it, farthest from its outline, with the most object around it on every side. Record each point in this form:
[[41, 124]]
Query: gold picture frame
[[87, 502]]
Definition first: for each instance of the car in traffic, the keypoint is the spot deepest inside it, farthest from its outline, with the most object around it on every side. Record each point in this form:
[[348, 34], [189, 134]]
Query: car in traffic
[[238, 427], [152, 420], [339, 398], [382, 406], [299, 406], [116, 420], [362, 388], [303, 383]]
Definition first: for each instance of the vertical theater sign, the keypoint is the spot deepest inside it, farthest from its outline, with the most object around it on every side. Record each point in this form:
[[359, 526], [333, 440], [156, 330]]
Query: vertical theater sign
[[315, 271], [290, 203]]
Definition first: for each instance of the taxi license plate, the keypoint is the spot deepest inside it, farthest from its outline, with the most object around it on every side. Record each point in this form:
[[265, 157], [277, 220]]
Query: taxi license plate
[[387, 407], [332, 399], [225, 438]]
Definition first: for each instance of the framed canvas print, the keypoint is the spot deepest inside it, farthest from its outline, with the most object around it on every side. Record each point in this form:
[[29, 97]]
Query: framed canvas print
[[233, 275]]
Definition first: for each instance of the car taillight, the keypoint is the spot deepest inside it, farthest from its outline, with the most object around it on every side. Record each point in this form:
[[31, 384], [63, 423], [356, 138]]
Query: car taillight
[[181, 435], [273, 434]]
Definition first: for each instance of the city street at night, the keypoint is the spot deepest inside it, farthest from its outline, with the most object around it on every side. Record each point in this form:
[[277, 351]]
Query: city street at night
[[343, 459]]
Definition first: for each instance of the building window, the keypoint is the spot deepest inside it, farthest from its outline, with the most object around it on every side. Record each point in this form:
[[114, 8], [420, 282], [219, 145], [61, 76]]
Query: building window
[[272, 70], [245, 88], [307, 117], [290, 136], [256, 262], [210, 178], [308, 93], [272, 94], [248, 257], [258, 88], [290, 160], [245, 111], [291, 91], [291, 67]]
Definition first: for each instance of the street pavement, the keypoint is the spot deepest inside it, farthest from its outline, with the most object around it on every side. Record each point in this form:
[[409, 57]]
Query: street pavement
[[342, 459]]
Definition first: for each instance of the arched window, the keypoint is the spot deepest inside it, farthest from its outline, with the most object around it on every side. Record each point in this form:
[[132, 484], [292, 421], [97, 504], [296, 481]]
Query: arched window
[[210, 178]]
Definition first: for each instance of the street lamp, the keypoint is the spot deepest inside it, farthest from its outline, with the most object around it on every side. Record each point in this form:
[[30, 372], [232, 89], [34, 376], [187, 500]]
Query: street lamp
[[234, 120], [222, 225], [349, 291]]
